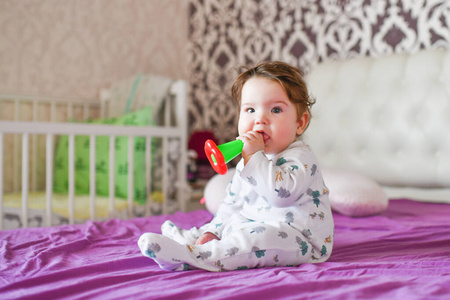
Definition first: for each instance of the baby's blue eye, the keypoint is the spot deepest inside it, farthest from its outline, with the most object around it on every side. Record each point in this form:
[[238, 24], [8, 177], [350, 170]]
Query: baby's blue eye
[[250, 110], [276, 110]]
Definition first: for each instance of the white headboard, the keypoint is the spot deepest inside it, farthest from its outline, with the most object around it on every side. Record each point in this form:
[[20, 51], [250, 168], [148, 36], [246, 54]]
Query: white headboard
[[388, 118]]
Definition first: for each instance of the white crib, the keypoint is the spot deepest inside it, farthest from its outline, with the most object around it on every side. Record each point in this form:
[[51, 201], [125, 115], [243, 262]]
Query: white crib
[[30, 128]]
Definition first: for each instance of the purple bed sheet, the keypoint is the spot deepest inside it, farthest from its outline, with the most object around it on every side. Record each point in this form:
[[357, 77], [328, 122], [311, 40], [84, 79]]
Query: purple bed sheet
[[403, 253]]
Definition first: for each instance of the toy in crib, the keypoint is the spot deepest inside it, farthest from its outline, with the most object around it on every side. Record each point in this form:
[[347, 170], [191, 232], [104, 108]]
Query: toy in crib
[[219, 156]]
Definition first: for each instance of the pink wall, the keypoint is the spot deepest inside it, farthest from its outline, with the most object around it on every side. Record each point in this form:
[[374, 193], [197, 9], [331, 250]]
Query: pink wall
[[73, 48]]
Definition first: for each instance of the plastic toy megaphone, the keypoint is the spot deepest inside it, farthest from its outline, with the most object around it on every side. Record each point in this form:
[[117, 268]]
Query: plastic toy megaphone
[[219, 156]]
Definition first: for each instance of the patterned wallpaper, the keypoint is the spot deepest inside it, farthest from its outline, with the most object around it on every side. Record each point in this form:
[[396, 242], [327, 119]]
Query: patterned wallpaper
[[224, 35], [73, 48]]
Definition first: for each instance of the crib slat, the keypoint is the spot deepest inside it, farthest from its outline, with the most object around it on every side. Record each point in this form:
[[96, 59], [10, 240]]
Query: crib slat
[[1, 180], [33, 172], [25, 160], [86, 111], [16, 110], [180, 89], [16, 147], [71, 179], [34, 149], [164, 176], [167, 110], [182, 173], [103, 104], [130, 174], [53, 111], [49, 178], [112, 180], [148, 173], [92, 174], [70, 111], [16, 162]]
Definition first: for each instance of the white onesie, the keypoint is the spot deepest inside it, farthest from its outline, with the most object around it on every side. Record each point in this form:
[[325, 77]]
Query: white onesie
[[276, 213]]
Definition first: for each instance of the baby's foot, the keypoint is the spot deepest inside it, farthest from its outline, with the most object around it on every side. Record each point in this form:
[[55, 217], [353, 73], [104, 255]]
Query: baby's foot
[[206, 237], [178, 234]]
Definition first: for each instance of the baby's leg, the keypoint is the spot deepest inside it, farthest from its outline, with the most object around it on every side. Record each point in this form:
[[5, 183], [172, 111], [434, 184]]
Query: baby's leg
[[169, 254], [244, 245]]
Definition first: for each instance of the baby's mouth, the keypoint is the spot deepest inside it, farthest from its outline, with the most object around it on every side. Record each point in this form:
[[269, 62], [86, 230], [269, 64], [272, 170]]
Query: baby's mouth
[[266, 138]]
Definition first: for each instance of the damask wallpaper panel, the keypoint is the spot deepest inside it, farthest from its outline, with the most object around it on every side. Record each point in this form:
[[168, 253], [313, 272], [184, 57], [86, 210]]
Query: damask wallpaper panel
[[224, 35], [74, 48]]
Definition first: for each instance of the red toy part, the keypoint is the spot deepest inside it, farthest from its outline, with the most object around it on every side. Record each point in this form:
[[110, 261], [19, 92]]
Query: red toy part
[[215, 157]]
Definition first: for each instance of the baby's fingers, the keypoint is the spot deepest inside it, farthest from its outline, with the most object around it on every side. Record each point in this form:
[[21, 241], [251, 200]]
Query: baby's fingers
[[250, 135]]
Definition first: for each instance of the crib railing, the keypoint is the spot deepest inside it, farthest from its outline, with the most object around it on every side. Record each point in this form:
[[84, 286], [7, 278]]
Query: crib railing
[[25, 129], [50, 130], [58, 110]]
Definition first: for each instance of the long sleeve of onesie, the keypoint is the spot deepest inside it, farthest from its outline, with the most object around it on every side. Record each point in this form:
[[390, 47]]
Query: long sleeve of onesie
[[282, 183]]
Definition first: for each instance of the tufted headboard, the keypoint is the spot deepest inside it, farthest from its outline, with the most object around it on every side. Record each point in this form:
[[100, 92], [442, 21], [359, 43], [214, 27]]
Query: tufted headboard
[[388, 118]]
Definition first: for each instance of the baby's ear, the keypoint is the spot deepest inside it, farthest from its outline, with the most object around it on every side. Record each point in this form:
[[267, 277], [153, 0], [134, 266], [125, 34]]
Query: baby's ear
[[303, 123]]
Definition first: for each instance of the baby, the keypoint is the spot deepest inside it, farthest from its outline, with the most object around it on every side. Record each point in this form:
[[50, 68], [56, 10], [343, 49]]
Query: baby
[[277, 211]]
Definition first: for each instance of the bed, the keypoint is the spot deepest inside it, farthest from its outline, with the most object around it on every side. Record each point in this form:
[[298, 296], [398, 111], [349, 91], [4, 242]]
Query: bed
[[399, 250], [64, 161], [401, 253]]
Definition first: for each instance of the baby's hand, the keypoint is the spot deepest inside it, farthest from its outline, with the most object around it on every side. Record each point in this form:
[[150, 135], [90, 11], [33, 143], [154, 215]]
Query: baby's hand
[[206, 237], [253, 142]]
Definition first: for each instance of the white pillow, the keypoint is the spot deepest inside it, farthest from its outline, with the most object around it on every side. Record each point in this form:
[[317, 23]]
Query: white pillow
[[215, 190], [354, 194]]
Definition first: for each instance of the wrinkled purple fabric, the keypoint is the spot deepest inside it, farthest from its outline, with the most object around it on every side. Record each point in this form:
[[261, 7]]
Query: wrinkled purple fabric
[[403, 253]]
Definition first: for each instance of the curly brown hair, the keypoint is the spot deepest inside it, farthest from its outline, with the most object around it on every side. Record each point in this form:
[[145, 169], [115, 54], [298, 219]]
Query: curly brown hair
[[289, 77]]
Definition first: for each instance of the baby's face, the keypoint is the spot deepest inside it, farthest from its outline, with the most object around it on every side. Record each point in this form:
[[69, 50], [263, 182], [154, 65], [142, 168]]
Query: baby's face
[[266, 108]]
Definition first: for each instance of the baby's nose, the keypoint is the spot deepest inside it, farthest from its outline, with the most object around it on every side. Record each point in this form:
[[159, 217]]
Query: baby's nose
[[261, 119]]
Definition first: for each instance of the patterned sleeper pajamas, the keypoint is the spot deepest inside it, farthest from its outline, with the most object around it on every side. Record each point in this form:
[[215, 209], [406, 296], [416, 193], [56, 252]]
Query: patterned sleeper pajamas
[[276, 213]]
